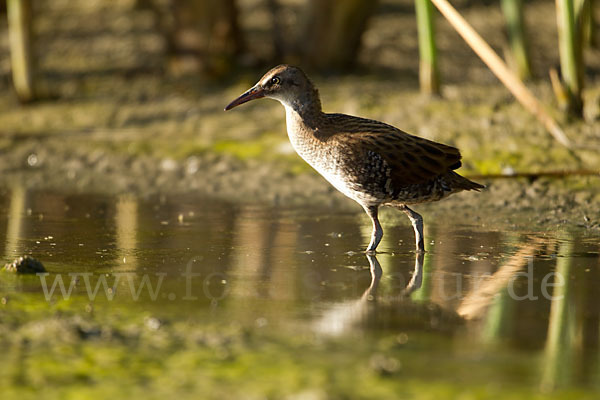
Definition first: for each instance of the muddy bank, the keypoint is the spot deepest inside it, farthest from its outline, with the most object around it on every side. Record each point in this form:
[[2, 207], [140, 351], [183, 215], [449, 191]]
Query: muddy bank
[[115, 123], [33, 164]]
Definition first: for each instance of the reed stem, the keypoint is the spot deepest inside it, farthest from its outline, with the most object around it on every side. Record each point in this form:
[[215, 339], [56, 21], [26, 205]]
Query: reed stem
[[428, 62], [571, 55], [517, 37], [20, 39]]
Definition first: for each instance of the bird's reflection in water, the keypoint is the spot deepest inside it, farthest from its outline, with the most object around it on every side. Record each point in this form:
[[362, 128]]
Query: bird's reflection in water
[[376, 272], [344, 316], [404, 310]]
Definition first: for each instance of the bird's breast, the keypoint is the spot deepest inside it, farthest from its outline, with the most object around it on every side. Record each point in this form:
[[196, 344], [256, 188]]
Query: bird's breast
[[348, 170]]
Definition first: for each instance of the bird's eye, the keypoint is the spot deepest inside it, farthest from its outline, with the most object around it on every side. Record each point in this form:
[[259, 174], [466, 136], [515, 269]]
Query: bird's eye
[[275, 80]]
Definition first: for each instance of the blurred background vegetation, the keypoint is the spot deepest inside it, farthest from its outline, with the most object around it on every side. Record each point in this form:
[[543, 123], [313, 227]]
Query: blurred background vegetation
[[152, 76], [213, 37]]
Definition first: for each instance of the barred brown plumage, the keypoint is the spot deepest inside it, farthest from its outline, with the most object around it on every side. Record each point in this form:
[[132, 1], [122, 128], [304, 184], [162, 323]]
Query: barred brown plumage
[[369, 161]]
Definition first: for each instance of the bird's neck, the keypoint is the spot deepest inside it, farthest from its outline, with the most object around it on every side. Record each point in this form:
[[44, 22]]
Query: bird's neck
[[303, 112], [303, 122], [307, 105]]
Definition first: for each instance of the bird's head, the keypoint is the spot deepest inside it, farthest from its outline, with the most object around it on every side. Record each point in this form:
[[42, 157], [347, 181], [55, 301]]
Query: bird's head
[[285, 83]]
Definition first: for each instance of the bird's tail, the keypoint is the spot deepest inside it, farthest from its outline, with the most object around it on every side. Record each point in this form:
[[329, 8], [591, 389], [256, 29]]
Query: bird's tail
[[461, 183]]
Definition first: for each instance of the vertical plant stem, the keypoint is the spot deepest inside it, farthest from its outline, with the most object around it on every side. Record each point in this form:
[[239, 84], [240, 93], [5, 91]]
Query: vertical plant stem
[[517, 37], [428, 64], [587, 22], [580, 7], [569, 45], [277, 30], [20, 37], [332, 33]]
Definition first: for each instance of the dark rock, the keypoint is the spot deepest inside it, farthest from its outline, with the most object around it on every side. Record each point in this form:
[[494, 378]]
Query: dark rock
[[25, 265]]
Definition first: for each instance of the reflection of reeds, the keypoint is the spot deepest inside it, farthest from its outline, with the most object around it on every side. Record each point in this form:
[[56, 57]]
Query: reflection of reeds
[[20, 34], [259, 247], [252, 243], [499, 318], [561, 325], [476, 302], [126, 224], [428, 64], [517, 38], [16, 210]]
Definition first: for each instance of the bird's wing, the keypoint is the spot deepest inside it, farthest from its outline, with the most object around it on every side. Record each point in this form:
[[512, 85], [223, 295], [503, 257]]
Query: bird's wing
[[412, 159]]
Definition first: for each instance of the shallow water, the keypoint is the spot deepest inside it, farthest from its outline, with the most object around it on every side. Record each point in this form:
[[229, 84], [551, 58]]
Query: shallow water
[[501, 306]]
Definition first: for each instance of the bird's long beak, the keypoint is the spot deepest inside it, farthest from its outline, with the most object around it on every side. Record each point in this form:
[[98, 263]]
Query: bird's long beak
[[255, 92]]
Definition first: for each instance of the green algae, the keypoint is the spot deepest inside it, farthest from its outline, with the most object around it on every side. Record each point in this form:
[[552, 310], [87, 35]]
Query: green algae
[[266, 146], [57, 349], [260, 368]]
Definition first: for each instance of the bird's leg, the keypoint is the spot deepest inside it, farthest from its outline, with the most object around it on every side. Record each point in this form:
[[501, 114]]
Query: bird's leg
[[377, 230], [417, 223]]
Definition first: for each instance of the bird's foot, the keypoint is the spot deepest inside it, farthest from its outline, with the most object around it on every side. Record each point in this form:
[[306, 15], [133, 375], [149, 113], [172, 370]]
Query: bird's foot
[[420, 243]]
